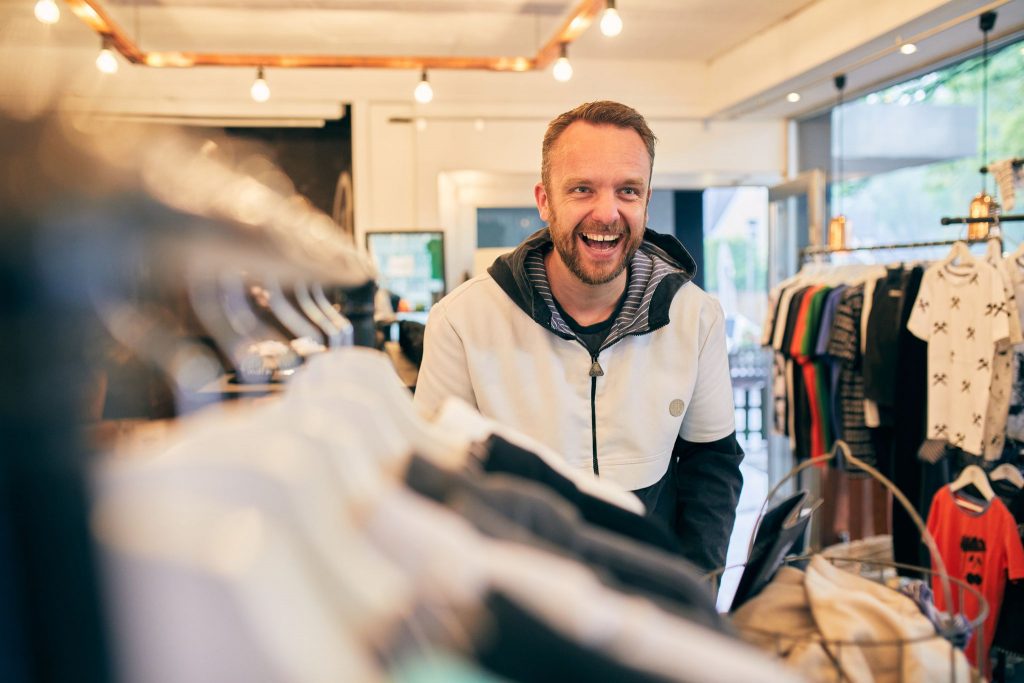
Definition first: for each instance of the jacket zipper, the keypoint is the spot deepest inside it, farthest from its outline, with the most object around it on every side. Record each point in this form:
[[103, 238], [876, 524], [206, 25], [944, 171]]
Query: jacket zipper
[[595, 372]]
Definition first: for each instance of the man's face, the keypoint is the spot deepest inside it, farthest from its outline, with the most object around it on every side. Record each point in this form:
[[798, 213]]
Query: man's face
[[596, 202]]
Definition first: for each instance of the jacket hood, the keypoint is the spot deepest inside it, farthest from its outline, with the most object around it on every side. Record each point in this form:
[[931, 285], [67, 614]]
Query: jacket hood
[[509, 271]]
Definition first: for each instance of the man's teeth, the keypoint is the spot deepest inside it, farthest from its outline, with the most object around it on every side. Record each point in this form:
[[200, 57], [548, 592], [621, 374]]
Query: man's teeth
[[601, 238]]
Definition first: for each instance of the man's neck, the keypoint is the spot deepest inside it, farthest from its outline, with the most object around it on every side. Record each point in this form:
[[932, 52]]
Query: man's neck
[[587, 304]]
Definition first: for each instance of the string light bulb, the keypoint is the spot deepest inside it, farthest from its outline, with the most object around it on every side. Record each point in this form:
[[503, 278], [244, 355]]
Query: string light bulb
[[611, 22], [47, 11], [562, 70], [423, 92], [260, 91], [908, 48], [793, 97], [106, 61]]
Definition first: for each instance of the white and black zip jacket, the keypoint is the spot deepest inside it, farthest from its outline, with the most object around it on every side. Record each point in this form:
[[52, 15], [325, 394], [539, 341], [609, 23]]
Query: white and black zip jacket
[[658, 390]]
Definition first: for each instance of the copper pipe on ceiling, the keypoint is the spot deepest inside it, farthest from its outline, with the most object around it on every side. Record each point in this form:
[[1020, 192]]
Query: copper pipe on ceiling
[[92, 14]]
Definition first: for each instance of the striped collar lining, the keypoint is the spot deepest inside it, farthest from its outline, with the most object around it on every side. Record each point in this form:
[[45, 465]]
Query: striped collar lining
[[646, 273]]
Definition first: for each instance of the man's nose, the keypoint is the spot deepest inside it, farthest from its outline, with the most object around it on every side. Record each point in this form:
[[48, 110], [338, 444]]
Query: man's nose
[[606, 208]]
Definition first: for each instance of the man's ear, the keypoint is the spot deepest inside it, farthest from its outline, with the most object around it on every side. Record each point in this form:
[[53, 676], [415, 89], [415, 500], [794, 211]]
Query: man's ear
[[543, 206]]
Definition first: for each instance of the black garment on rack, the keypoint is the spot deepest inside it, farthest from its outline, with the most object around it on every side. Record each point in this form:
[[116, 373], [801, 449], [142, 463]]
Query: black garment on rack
[[511, 508], [1009, 635], [522, 647], [884, 329], [502, 456], [897, 458]]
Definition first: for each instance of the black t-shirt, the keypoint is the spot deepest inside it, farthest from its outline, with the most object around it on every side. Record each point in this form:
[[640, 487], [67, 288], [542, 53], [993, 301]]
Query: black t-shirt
[[594, 335]]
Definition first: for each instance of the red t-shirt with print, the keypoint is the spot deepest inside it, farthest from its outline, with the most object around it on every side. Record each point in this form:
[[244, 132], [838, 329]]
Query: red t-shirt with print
[[981, 548]]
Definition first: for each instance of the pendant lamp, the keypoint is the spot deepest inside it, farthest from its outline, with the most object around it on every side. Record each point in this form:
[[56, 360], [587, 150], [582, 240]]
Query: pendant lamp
[[983, 205], [837, 227]]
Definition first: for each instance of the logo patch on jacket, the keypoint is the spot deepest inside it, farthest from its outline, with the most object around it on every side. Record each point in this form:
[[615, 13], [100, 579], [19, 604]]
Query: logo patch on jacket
[[675, 408]]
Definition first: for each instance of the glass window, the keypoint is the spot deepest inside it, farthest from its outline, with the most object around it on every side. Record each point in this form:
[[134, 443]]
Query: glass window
[[912, 152], [736, 258]]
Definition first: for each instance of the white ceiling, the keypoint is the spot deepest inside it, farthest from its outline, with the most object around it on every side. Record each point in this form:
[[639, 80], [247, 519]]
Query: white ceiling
[[682, 58], [696, 30]]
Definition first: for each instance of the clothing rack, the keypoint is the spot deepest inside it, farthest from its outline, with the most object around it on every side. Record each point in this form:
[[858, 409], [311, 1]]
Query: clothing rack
[[1010, 218], [816, 251]]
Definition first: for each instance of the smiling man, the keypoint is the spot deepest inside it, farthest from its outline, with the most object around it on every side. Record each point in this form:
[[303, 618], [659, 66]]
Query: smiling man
[[591, 337]]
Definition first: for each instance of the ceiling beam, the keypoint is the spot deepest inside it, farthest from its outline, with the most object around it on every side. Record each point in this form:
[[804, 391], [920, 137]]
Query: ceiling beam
[[93, 15]]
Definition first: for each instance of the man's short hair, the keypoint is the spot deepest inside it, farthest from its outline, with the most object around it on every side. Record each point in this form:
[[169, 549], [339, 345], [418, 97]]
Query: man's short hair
[[603, 112]]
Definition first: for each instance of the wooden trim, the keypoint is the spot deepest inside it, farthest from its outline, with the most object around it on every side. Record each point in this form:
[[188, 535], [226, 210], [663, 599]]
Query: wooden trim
[[92, 14]]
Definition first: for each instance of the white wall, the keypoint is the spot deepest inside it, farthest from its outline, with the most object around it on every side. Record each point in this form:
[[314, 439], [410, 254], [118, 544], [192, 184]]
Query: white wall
[[437, 177]]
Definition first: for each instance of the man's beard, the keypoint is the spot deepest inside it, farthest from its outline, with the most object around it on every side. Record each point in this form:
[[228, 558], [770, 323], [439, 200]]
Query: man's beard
[[568, 248]]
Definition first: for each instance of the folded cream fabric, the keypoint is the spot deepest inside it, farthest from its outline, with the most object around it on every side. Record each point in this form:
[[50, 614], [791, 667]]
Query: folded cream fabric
[[800, 616], [779, 620], [847, 607]]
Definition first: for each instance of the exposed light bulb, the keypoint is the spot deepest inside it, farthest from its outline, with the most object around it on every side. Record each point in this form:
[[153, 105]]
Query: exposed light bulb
[[47, 11], [908, 48], [562, 70], [423, 92], [793, 97], [106, 61], [611, 22], [260, 91]]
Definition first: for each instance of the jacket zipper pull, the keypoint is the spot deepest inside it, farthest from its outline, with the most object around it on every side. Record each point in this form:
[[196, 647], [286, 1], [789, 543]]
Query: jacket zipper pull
[[595, 368]]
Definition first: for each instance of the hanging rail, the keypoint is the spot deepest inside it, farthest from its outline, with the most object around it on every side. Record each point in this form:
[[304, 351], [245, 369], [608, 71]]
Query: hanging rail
[[1010, 218], [814, 251]]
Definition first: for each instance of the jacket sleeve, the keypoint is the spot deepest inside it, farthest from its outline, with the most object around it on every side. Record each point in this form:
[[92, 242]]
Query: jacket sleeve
[[708, 484], [444, 370], [706, 455]]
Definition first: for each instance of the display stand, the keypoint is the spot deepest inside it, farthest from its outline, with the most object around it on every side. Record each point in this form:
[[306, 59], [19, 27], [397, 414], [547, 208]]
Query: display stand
[[841, 449]]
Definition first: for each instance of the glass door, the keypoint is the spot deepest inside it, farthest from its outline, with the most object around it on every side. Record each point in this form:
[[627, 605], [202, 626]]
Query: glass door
[[796, 219]]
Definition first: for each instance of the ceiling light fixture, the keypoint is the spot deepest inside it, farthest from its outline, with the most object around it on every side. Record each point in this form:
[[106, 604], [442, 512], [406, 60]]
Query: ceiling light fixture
[[908, 48], [562, 70], [837, 225], [793, 97], [983, 204], [423, 92], [105, 60], [47, 11], [260, 91], [611, 22]]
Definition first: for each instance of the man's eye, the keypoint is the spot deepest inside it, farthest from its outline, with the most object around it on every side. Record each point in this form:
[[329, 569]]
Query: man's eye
[[580, 188]]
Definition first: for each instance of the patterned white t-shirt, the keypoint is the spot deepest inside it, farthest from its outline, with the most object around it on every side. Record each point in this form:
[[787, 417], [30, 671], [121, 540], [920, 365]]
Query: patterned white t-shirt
[[961, 312], [1001, 389]]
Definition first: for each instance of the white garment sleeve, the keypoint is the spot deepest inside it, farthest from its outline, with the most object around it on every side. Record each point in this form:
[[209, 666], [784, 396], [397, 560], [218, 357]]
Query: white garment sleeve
[[920, 321], [710, 415], [443, 371], [1001, 319]]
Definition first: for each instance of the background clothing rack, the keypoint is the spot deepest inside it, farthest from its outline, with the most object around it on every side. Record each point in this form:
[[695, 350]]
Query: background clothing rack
[[1011, 218], [815, 251]]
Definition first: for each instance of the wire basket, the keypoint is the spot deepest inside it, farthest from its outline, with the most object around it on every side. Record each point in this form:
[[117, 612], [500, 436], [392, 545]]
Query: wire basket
[[835, 647]]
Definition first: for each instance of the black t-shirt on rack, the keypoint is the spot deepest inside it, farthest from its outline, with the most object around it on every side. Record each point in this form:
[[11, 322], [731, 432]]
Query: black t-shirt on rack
[[1009, 634], [881, 353]]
